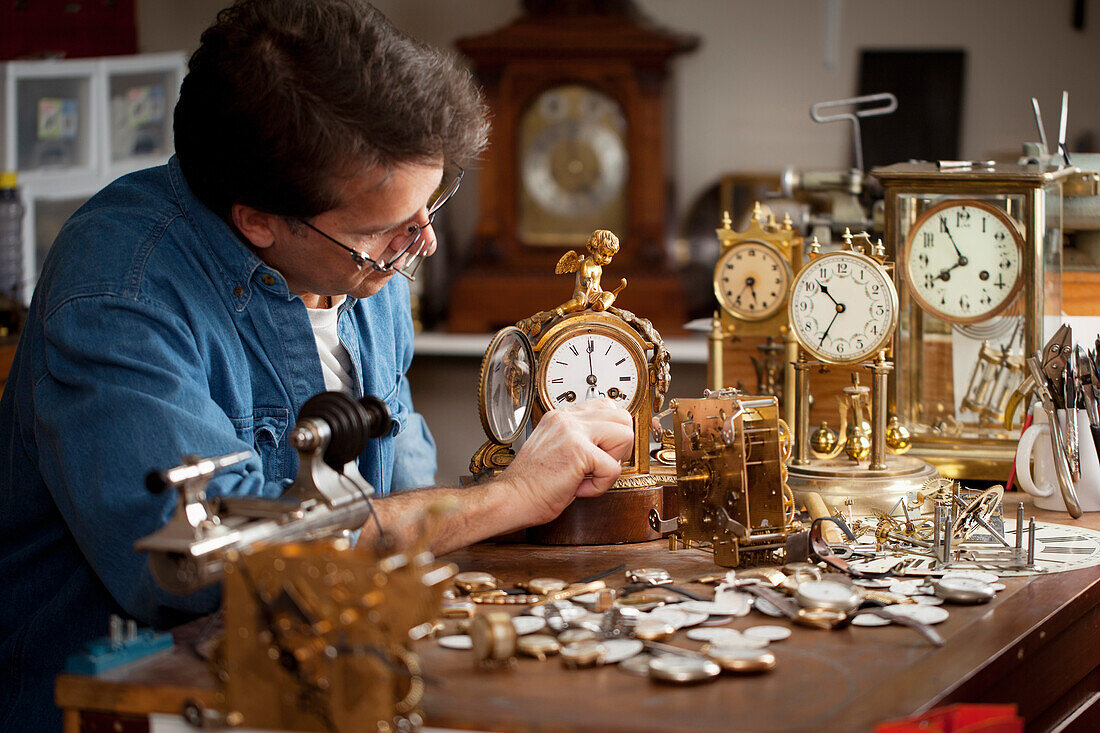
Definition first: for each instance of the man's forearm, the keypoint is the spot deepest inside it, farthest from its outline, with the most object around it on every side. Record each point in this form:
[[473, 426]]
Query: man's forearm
[[453, 518]]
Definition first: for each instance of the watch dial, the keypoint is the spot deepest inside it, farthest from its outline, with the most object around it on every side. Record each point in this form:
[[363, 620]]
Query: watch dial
[[572, 165], [963, 261], [843, 307], [589, 366], [751, 280]]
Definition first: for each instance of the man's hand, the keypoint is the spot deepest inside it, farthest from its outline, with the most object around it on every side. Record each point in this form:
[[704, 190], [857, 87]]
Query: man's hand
[[574, 451]]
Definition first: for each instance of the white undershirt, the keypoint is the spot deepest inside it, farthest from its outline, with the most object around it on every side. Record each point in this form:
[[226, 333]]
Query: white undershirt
[[335, 360]]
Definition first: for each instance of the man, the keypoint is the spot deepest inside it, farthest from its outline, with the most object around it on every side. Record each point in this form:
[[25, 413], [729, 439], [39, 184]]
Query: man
[[177, 314]]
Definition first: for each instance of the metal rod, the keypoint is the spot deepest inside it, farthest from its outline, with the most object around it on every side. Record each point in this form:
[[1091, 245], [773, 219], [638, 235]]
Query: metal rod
[[802, 412], [1020, 526], [937, 526], [1031, 542]]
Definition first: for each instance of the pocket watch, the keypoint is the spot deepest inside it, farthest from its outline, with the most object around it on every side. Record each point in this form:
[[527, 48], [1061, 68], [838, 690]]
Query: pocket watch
[[963, 260], [843, 307], [494, 638], [828, 595], [963, 590]]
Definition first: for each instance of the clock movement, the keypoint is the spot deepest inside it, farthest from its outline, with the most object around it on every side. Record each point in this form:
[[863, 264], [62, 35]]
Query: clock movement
[[577, 92]]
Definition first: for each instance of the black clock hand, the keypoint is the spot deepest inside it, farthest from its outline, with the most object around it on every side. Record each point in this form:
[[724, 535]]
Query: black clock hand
[[962, 260], [749, 283], [737, 300], [826, 291], [826, 333]]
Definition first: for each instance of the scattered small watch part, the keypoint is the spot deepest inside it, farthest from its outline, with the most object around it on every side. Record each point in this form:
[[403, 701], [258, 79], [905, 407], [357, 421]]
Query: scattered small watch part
[[653, 629], [678, 617], [717, 621], [650, 576], [907, 587], [712, 634], [769, 632], [458, 609], [582, 654], [740, 659], [767, 608], [619, 650], [928, 600], [588, 600], [682, 669], [640, 602], [870, 619], [456, 641], [924, 614], [569, 611], [474, 580], [981, 575], [997, 587], [571, 636], [637, 666], [539, 646], [605, 597], [528, 624], [874, 583], [542, 586]]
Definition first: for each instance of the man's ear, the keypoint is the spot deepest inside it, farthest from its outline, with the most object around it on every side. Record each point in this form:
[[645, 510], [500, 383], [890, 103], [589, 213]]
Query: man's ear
[[258, 227]]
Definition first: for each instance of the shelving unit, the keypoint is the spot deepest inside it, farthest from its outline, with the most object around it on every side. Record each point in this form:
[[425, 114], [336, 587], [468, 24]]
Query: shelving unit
[[70, 127]]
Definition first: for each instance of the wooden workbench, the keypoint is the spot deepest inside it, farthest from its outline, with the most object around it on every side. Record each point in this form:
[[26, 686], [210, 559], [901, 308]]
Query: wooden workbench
[[1037, 645]]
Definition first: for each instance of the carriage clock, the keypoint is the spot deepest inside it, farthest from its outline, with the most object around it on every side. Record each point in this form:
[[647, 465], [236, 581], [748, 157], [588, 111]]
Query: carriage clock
[[843, 311], [752, 280], [979, 251], [583, 349]]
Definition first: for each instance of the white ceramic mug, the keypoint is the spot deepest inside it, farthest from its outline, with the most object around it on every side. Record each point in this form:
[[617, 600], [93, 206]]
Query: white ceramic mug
[[1043, 483]]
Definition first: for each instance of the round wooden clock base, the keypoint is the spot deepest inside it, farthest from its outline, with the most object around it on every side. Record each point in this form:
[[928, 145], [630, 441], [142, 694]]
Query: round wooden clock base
[[619, 516]]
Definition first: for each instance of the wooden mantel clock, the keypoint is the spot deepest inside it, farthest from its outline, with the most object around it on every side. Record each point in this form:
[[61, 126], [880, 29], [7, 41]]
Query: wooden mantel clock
[[577, 91]]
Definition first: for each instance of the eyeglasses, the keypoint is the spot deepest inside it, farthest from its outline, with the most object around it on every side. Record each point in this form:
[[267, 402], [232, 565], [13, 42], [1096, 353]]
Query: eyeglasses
[[413, 241]]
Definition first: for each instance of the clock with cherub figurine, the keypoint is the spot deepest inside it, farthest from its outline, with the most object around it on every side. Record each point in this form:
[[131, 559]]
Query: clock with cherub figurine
[[583, 349]]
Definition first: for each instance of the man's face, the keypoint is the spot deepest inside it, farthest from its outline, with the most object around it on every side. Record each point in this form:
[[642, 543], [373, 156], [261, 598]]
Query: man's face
[[376, 209]]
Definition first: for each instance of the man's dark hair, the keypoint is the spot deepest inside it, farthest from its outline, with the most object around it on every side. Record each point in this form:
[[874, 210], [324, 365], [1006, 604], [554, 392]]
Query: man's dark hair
[[284, 96]]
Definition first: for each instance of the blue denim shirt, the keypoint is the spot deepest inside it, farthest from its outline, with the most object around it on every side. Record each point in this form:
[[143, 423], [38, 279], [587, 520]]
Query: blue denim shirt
[[154, 333]]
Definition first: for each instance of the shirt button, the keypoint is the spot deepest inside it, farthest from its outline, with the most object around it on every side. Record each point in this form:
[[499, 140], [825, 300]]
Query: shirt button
[[238, 291], [267, 279]]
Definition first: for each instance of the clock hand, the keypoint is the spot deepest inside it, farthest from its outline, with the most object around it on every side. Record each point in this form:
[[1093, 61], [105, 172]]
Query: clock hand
[[826, 291], [749, 283], [737, 300], [962, 260], [591, 371], [826, 333]]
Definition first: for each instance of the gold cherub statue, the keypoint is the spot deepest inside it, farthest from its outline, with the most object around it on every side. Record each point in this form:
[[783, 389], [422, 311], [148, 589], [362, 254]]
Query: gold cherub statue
[[587, 293]]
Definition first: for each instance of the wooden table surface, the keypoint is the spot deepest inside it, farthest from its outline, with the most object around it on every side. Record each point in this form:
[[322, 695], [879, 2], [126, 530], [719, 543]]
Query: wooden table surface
[[1036, 644]]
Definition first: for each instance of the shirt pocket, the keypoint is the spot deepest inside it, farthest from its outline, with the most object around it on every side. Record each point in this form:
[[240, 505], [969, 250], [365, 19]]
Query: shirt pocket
[[266, 431]]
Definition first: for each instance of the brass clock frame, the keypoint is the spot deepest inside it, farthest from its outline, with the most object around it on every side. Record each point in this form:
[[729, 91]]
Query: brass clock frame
[[593, 323], [482, 383], [610, 324], [728, 325], [1013, 228], [1032, 194]]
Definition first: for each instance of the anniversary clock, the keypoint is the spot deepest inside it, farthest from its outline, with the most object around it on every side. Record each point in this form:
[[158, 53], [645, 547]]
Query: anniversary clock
[[583, 349], [979, 251], [577, 91], [843, 311], [752, 280]]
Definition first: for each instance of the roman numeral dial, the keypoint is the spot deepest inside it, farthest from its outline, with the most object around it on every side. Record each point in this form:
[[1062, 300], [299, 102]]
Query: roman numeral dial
[[589, 365]]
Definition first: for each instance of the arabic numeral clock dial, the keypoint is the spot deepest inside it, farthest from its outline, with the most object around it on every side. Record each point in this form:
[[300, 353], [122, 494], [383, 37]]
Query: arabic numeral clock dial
[[588, 364], [843, 307], [751, 280], [963, 261]]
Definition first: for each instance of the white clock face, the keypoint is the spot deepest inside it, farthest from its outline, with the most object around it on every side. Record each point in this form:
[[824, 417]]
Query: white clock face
[[751, 281], [843, 308], [588, 366], [963, 261]]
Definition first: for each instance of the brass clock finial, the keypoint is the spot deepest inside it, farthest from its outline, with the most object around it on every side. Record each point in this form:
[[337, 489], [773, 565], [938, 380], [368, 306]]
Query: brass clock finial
[[847, 238], [815, 247], [727, 223], [757, 212], [788, 225]]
